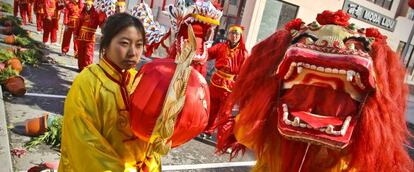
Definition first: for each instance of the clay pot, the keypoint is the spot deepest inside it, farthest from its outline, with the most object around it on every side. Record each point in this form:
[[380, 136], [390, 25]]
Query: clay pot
[[9, 39], [8, 23], [36, 126], [6, 30], [15, 64], [15, 85]]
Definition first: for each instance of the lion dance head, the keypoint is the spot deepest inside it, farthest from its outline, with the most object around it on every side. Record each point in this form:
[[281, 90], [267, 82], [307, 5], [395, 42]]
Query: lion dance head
[[328, 96], [202, 16]]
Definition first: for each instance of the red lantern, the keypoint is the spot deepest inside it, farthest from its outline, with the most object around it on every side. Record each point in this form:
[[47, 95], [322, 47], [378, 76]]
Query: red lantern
[[148, 99], [411, 3]]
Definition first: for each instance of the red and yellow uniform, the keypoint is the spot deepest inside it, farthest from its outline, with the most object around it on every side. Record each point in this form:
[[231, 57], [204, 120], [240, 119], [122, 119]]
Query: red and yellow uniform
[[51, 20], [15, 7], [96, 135], [39, 10], [85, 35], [71, 21], [24, 6], [30, 10], [228, 64]]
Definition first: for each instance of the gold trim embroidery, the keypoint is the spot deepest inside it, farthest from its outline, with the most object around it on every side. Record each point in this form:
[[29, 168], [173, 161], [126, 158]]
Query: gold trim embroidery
[[174, 100]]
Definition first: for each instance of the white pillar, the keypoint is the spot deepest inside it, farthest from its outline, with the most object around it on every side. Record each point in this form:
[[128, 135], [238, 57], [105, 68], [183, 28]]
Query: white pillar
[[252, 16]]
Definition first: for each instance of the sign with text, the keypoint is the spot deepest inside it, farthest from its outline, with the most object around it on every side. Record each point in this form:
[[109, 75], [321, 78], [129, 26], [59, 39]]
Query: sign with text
[[364, 14]]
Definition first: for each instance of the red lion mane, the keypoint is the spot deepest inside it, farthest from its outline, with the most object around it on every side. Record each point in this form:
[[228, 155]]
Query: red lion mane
[[377, 143]]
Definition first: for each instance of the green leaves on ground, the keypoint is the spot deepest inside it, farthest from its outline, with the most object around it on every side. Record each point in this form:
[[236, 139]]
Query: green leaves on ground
[[31, 56], [6, 74], [23, 41], [51, 137], [14, 20], [28, 56], [17, 30], [6, 7], [15, 23], [5, 55]]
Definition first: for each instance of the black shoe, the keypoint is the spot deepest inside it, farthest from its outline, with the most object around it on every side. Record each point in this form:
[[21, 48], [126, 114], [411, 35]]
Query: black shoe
[[207, 136]]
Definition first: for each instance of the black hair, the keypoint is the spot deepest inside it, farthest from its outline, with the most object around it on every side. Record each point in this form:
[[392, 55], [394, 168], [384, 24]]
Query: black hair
[[222, 31], [115, 24]]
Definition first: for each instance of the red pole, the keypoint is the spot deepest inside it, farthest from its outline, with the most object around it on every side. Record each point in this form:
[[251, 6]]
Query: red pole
[[163, 4], [411, 3]]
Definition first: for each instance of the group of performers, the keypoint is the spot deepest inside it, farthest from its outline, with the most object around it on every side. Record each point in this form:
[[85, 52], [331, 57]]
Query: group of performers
[[80, 22], [25, 7], [326, 96]]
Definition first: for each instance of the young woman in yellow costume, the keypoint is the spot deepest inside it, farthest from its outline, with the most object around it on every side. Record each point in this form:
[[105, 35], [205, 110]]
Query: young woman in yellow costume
[[96, 133]]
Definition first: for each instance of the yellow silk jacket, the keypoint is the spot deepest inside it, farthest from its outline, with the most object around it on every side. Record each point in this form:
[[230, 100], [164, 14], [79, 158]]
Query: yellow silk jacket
[[96, 134]]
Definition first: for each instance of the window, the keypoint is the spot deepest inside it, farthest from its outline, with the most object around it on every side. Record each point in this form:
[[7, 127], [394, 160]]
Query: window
[[379, 2], [383, 3], [189, 2], [410, 14], [387, 4], [232, 18], [275, 15], [408, 59], [400, 48]]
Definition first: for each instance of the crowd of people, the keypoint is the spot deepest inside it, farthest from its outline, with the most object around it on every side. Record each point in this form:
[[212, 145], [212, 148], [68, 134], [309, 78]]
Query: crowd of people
[[80, 21]]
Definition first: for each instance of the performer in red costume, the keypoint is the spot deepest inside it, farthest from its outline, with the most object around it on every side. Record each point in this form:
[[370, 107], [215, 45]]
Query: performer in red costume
[[72, 13], [327, 96], [85, 34], [39, 10], [51, 19], [230, 57], [24, 7], [120, 6], [411, 3], [30, 10], [15, 7]]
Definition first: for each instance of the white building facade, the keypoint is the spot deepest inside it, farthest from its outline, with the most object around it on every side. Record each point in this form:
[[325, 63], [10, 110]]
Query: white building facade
[[261, 18]]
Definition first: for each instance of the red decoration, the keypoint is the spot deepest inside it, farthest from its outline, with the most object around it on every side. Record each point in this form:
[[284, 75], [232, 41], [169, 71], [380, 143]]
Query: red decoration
[[217, 4], [328, 17], [411, 3], [148, 100], [294, 24], [374, 32]]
